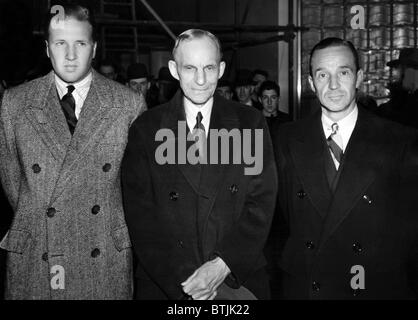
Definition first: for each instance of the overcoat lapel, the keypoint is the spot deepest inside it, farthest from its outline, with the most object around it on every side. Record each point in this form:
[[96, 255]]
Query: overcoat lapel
[[361, 163], [308, 153], [98, 113], [175, 120], [45, 115]]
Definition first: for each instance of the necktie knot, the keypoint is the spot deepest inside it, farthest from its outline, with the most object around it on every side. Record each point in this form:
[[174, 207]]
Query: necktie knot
[[334, 128], [70, 89], [199, 124]]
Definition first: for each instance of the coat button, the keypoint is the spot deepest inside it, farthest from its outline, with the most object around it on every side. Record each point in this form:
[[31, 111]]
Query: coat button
[[174, 196], [316, 286], [301, 194], [36, 168], [95, 253], [367, 199], [51, 212], [310, 245], [357, 247], [45, 256], [233, 189], [107, 167], [180, 244], [95, 209]]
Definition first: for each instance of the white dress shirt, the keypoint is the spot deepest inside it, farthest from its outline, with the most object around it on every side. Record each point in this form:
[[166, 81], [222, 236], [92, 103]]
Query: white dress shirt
[[80, 92], [345, 129], [191, 111]]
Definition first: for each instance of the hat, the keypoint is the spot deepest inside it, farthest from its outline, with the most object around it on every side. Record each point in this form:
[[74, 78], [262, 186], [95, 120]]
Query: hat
[[165, 75], [407, 57], [137, 71], [244, 78]]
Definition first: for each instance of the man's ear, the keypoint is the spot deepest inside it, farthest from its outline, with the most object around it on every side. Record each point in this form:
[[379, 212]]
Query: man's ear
[[360, 76], [148, 85], [47, 48], [222, 66], [94, 49], [311, 84], [172, 66]]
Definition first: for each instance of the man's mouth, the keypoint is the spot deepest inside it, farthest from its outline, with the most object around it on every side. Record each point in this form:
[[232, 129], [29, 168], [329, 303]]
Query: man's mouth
[[336, 97]]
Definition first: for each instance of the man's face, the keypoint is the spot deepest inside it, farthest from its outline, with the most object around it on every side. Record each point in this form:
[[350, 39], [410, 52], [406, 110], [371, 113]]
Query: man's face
[[270, 100], [334, 80], [258, 79], [198, 69], [244, 93], [71, 49], [108, 72], [224, 92], [140, 85]]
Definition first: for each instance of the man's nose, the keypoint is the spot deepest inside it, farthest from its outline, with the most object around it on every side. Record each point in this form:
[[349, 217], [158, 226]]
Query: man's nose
[[334, 82], [200, 77], [71, 53]]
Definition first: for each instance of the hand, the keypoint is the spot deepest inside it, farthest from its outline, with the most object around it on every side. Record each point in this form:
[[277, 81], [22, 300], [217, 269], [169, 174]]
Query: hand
[[202, 284]]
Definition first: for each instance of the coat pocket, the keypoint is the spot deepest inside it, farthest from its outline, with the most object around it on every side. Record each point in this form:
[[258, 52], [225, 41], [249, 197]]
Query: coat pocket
[[16, 241], [121, 238]]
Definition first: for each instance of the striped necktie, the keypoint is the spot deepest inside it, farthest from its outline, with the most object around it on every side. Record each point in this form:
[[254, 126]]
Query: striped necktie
[[334, 142], [68, 106]]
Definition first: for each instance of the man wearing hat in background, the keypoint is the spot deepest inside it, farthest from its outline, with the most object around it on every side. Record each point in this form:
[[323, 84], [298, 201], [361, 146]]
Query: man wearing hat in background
[[244, 87], [138, 80], [402, 106]]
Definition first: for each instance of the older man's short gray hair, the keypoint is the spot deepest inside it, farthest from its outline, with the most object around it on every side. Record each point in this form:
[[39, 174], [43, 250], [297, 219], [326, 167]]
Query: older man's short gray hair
[[196, 34]]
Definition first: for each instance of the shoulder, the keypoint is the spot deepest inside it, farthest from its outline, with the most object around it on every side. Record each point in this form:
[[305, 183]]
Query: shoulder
[[123, 95], [151, 118], [388, 128], [16, 98], [248, 116]]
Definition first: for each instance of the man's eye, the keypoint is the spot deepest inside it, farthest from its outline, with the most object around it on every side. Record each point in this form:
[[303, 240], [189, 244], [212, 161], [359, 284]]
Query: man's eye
[[345, 73], [59, 43], [82, 44], [322, 75]]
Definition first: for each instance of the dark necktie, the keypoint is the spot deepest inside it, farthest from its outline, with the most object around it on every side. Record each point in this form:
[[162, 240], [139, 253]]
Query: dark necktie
[[333, 145], [68, 106], [200, 134]]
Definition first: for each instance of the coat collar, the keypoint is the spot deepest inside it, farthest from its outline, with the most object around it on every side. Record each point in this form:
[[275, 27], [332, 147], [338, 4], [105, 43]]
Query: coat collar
[[307, 148], [222, 117]]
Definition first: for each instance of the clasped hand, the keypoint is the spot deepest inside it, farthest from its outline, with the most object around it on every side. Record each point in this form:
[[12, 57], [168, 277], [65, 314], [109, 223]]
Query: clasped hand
[[204, 282]]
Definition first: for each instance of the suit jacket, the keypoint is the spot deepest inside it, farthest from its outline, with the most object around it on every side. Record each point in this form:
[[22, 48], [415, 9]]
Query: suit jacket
[[65, 192], [370, 220], [178, 221]]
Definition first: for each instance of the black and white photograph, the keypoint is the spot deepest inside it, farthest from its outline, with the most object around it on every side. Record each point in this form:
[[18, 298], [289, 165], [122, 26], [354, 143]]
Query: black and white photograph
[[234, 151]]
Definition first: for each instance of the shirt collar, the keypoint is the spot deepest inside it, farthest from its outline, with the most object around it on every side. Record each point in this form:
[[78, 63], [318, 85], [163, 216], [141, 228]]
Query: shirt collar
[[191, 111], [79, 86], [345, 125]]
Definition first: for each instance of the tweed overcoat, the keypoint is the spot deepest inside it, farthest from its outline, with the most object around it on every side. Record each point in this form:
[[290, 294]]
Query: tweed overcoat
[[68, 238]]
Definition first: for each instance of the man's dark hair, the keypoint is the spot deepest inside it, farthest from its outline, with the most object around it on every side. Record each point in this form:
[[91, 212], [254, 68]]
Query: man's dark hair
[[75, 11], [269, 85], [334, 42], [259, 71]]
